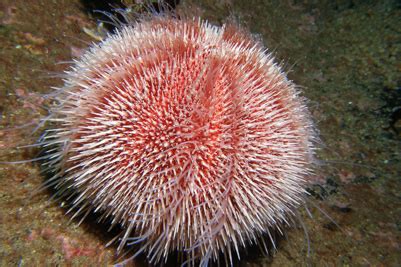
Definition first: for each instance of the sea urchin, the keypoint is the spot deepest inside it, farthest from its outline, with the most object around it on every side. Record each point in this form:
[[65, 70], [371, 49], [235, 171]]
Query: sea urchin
[[185, 134]]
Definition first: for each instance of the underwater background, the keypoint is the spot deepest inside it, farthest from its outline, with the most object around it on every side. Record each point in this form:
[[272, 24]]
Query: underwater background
[[346, 56]]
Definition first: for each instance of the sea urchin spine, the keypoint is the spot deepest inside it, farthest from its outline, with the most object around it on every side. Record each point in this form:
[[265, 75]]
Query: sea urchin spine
[[187, 135]]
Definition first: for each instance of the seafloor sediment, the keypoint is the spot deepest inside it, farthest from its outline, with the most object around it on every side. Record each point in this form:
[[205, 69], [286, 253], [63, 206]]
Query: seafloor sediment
[[345, 55]]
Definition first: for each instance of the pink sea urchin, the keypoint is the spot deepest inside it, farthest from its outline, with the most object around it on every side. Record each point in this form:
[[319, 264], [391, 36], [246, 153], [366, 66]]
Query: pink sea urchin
[[185, 134]]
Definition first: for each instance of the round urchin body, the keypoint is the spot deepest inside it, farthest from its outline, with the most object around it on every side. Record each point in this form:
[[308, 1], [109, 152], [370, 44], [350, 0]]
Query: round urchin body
[[187, 135]]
